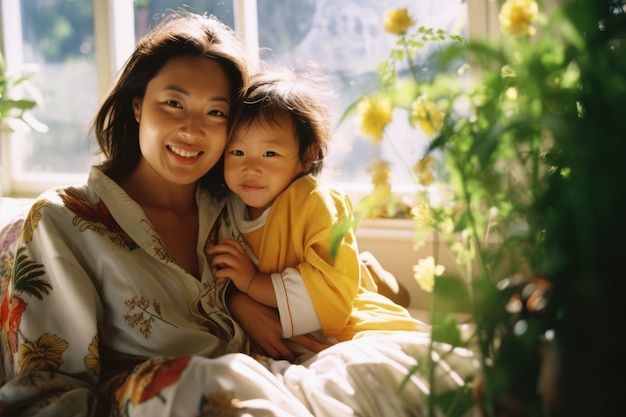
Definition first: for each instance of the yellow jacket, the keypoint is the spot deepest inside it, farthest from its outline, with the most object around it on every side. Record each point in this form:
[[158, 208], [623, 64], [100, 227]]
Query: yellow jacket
[[298, 233]]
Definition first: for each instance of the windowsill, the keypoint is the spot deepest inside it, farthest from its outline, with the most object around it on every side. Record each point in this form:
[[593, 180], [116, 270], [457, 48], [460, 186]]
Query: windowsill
[[31, 185], [391, 241]]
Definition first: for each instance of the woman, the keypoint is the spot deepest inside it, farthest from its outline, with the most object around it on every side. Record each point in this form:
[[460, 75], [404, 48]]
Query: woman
[[111, 273]]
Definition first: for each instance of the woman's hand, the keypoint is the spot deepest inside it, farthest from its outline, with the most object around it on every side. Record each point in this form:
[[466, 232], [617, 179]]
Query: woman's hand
[[262, 324]]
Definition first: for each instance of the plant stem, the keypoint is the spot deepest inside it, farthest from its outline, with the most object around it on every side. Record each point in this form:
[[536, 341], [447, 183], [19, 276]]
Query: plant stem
[[406, 165], [431, 363], [483, 341], [408, 58]]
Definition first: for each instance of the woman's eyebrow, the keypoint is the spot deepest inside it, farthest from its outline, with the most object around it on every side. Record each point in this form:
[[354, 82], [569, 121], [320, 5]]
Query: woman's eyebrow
[[179, 89]]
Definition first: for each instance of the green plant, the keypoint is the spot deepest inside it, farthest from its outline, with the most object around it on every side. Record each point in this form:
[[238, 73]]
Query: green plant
[[14, 111], [517, 181]]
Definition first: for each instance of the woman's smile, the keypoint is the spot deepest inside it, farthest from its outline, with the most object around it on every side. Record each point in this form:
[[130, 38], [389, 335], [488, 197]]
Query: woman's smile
[[182, 152]]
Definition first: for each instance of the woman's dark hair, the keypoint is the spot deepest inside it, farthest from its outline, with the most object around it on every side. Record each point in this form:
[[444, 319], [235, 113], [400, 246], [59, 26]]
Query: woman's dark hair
[[178, 34], [276, 92]]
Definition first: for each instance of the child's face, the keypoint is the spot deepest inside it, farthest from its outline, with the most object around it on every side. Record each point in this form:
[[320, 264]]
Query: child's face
[[261, 161]]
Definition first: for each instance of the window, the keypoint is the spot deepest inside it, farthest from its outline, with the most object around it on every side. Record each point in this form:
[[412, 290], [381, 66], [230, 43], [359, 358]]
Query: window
[[54, 42], [347, 39], [146, 11], [75, 59]]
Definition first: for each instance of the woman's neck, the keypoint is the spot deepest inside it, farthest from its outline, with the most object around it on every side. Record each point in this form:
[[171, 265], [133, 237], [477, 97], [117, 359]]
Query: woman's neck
[[152, 191]]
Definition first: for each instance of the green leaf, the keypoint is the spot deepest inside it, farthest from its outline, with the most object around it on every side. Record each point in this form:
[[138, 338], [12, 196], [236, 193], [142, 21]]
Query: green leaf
[[446, 329], [454, 403], [451, 295], [403, 95], [348, 112], [339, 231]]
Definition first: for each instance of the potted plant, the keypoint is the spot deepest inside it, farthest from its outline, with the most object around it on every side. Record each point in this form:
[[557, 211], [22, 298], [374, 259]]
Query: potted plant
[[518, 181], [15, 108]]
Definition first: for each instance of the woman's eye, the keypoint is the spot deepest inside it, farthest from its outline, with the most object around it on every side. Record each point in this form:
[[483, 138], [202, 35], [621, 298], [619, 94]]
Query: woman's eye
[[269, 153], [217, 113], [173, 103]]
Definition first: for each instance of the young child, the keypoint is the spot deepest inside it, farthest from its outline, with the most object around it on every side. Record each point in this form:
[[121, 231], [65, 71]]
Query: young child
[[287, 217]]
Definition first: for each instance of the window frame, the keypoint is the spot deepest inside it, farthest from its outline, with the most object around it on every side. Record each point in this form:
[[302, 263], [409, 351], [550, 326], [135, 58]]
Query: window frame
[[115, 43]]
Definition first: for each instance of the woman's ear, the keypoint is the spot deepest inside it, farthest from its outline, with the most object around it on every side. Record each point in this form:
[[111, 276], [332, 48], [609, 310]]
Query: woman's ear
[[137, 108]]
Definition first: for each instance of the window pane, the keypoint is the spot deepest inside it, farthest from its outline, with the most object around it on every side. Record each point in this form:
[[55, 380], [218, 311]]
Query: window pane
[[58, 38], [346, 38], [146, 11]]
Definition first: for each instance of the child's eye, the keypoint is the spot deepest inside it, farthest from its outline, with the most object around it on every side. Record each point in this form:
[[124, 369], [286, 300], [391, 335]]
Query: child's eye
[[236, 152], [269, 153]]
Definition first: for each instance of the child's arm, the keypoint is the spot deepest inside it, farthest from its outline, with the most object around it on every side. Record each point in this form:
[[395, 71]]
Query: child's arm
[[232, 261]]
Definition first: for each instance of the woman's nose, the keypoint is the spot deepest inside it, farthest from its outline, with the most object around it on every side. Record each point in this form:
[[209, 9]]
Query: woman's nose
[[192, 128]]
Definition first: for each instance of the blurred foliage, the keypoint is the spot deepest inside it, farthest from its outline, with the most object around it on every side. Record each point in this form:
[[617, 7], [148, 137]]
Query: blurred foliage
[[63, 30], [17, 98], [528, 193]]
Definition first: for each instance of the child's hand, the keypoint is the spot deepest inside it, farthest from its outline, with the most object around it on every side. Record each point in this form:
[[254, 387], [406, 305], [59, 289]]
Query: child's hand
[[231, 261]]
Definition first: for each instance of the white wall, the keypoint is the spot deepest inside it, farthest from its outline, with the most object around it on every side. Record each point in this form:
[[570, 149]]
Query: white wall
[[391, 242]]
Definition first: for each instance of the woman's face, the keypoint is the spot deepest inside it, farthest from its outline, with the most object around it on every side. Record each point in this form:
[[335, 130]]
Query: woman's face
[[183, 119]]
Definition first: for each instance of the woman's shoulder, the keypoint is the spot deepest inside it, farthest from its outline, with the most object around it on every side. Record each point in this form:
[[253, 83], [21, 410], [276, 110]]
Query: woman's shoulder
[[49, 207], [49, 211], [61, 198], [57, 208]]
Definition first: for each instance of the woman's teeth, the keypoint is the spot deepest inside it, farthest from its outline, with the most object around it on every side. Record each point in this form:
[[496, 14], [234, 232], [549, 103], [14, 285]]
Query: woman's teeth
[[184, 153]]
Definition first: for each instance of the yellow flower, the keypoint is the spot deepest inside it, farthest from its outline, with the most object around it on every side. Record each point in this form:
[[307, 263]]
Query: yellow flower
[[375, 115], [398, 21], [381, 193], [380, 171], [421, 213], [376, 204], [92, 360], [511, 93], [425, 272], [42, 354], [507, 72], [423, 170], [425, 112], [516, 17]]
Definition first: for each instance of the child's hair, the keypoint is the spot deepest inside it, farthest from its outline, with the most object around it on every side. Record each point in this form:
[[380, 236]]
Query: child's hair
[[276, 92], [180, 33]]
